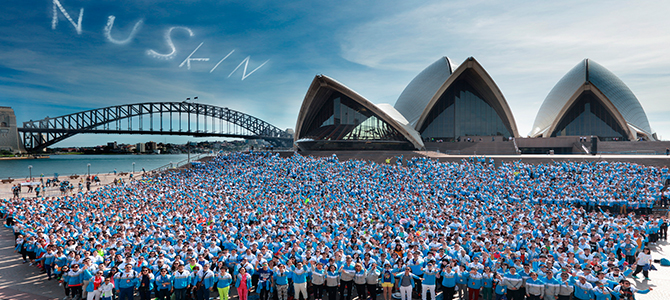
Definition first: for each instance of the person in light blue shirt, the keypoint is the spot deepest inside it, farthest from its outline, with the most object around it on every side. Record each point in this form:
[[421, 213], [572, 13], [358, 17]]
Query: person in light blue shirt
[[125, 282], [534, 287], [163, 284], [428, 284], [182, 281], [449, 277], [223, 282], [475, 281], [487, 284], [583, 289], [500, 289], [299, 274], [281, 281]]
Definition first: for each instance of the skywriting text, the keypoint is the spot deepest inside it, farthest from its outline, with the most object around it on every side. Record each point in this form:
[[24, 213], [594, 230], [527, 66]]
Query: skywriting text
[[170, 55]]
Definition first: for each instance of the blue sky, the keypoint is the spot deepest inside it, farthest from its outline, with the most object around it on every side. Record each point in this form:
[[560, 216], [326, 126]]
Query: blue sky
[[374, 47]]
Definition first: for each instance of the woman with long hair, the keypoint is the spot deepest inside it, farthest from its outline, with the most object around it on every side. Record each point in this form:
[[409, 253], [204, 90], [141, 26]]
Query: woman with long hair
[[359, 281], [387, 282], [332, 281], [643, 262], [243, 283]]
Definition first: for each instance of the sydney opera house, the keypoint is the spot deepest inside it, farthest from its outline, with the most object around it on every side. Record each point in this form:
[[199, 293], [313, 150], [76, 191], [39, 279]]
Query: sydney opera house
[[454, 103]]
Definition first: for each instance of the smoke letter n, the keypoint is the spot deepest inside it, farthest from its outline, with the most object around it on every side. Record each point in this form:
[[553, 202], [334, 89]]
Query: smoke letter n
[[244, 72], [54, 20]]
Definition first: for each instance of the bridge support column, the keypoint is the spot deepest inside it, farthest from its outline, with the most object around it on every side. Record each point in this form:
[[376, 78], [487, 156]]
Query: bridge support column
[[9, 135]]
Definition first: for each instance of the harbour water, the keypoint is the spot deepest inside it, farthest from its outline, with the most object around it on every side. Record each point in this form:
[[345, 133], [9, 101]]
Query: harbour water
[[78, 164]]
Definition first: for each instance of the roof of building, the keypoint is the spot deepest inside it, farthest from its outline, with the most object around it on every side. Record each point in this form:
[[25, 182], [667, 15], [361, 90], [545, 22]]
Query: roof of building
[[591, 74]]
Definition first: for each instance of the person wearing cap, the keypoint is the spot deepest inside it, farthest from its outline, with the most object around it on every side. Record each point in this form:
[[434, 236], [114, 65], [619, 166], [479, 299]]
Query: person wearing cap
[[551, 285], [181, 279], [387, 279], [629, 249], [566, 286], [602, 292], [163, 284], [616, 276]]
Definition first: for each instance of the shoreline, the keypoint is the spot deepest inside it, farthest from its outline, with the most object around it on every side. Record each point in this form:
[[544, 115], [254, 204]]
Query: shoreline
[[75, 179], [25, 157]]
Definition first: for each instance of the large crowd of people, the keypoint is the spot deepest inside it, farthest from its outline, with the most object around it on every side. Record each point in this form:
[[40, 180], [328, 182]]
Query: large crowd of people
[[311, 228]]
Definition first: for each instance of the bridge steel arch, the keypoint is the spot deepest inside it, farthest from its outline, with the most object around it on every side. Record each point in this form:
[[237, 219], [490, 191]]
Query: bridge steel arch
[[39, 134]]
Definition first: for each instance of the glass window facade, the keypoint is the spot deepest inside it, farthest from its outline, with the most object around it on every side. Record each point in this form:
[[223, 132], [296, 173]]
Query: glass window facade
[[461, 111], [588, 116], [343, 119]]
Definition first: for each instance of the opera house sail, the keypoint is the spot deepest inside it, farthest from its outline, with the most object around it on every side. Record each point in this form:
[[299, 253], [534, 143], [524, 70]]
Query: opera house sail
[[465, 103], [333, 117], [591, 101]]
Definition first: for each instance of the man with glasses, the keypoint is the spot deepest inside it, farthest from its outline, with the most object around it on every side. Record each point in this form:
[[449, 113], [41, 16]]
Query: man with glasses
[[146, 281], [125, 282], [93, 286], [74, 280], [163, 284], [625, 291]]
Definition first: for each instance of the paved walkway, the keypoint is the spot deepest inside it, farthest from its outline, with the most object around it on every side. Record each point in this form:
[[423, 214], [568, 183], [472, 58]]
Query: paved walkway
[[660, 280], [20, 281]]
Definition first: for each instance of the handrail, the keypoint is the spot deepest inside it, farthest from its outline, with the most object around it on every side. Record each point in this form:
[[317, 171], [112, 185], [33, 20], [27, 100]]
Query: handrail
[[181, 163]]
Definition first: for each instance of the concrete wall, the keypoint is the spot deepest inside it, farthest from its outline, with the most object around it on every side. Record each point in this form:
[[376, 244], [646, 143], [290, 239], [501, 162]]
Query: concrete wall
[[9, 136]]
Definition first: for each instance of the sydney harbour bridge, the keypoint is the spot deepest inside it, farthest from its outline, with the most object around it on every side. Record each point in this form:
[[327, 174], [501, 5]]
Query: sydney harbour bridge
[[154, 118]]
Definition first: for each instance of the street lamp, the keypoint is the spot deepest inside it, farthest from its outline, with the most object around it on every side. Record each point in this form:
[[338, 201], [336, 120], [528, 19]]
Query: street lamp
[[89, 170], [30, 169], [133, 167]]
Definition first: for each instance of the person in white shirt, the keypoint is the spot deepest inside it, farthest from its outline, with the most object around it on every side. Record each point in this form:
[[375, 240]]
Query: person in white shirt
[[106, 290], [643, 263]]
